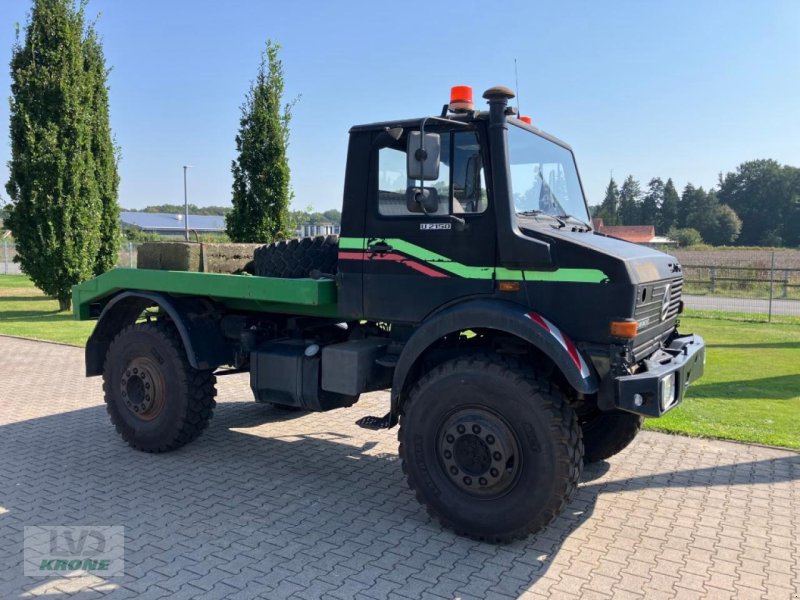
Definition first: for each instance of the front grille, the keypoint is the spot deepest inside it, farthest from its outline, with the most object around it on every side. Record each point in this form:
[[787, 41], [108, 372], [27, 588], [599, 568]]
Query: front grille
[[655, 322], [650, 309]]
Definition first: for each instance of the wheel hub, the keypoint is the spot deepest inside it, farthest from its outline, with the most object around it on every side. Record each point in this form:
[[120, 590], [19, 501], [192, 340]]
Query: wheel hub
[[142, 388], [479, 452]]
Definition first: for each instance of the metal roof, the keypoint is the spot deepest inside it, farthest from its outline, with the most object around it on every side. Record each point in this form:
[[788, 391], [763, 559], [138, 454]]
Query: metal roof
[[166, 221]]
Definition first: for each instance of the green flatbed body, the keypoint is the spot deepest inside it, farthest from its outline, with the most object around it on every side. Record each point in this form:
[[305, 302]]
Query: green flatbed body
[[309, 297]]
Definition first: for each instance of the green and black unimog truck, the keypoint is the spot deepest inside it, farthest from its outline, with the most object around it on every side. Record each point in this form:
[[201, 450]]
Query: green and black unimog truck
[[517, 342]]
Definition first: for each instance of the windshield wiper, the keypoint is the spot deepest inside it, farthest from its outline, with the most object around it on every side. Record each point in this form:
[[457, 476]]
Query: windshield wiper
[[541, 213], [566, 217]]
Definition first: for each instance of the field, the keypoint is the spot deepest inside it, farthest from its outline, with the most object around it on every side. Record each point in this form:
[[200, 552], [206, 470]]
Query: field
[[26, 312], [751, 388], [750, 392]]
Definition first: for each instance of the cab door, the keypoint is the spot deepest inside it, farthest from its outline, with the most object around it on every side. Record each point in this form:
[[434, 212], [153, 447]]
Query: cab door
[[414, 263]]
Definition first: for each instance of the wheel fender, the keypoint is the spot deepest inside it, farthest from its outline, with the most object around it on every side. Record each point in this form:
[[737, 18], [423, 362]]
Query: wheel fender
[[501, 316], [193, 318]]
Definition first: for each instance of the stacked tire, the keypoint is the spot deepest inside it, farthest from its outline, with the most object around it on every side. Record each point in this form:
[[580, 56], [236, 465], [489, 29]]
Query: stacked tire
[[296, 259]]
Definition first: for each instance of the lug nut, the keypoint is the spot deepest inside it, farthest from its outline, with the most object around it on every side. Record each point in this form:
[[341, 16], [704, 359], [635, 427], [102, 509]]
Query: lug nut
[[468, 480], [450, 439], [497, 456], [490, 439], [447, 454], [461, 429], [476, 429], [482, 481], [494, 472], [454, 470]]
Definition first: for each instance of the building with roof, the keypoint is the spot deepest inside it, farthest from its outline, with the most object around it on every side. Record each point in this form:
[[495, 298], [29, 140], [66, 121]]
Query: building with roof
[[312, 230], [637, 234], [168, 224]]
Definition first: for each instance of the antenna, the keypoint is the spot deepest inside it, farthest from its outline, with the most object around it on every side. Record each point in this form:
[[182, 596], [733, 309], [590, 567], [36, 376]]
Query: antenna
[[516, 84]]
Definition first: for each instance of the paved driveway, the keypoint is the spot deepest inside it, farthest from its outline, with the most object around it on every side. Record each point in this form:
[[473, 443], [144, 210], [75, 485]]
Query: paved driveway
[[282, 505]]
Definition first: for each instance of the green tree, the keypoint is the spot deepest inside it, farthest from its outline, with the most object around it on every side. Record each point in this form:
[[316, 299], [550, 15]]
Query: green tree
[[685, 236], [261, 192], [333, 216], [608, 210], [668, 212], [726, 226], [629, 205], [56, 203], [687, 205], [766, 196], [717, 223], [652, 201], [104, 152]]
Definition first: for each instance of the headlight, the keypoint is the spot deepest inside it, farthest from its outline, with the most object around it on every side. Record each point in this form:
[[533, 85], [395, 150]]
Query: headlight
[[667, 391]]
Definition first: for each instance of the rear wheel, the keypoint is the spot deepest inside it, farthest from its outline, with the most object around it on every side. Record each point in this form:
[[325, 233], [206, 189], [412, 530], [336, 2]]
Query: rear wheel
[[490, 450], [298, 258], [156, 400], [608, 433]]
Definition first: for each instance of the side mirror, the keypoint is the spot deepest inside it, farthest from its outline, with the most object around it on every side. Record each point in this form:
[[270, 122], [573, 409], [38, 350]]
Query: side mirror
[[423, 156], [425, 200]]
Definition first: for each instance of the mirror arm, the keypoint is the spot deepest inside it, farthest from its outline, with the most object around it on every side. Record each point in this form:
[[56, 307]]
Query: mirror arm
[[417, 196]]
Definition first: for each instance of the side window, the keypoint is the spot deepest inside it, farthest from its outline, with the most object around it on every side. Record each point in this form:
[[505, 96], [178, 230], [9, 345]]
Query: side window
[[461, 186], [469, 186], [392, 182]]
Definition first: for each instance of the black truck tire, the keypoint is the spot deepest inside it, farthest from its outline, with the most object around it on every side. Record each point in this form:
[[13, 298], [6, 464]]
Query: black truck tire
[[156, 400], [608, 433], [295, 259], [492, 451]]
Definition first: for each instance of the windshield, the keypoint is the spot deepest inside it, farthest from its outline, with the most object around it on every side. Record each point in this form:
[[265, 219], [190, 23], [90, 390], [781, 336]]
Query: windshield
[[544, 179]]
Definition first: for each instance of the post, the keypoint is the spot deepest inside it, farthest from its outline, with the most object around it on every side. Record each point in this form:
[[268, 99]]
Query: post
[[713, 277], [786, 284], [130, 253], [771, 286], [5, 256], [185, 205]]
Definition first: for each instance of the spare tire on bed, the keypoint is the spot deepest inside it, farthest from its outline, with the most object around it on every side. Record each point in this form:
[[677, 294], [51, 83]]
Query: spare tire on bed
[[295, 259]]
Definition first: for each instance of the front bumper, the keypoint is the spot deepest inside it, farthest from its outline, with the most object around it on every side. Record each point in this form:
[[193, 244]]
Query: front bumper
[[648, 392]]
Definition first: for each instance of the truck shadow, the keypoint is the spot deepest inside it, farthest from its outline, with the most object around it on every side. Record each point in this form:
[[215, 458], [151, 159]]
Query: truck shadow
[[275, 506]]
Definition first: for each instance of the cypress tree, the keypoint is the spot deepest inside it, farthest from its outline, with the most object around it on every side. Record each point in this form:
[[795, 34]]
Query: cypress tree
[[261, 170], [105, 153], [55, 198]]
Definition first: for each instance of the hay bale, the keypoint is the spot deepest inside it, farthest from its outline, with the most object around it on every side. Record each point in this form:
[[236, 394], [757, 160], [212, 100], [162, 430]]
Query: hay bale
[[193, 256], [169, 256], [227, 258]]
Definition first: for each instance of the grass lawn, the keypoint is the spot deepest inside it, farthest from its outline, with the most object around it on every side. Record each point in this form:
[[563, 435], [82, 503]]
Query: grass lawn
[[26, 312], [751, 388], [750, 391]]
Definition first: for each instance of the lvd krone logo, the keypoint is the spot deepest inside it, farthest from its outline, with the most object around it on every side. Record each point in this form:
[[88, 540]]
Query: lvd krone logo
[[74, 549]]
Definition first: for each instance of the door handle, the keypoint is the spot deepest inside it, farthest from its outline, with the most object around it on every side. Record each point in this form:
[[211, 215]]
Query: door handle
[[379, 248]]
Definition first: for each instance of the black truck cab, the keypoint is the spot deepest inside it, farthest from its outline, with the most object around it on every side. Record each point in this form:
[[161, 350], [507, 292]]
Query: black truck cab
[[507, 225]]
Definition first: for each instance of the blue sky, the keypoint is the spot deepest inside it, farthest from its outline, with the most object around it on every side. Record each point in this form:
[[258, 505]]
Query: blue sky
[[683, 88]]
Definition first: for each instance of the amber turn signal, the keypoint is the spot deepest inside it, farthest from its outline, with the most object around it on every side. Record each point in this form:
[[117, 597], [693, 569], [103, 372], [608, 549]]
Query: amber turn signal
[[508, 286], [624, 329]]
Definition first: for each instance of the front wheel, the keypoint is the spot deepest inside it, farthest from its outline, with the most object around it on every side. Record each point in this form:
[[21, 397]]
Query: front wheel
[[491, 451], [156, 400]]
